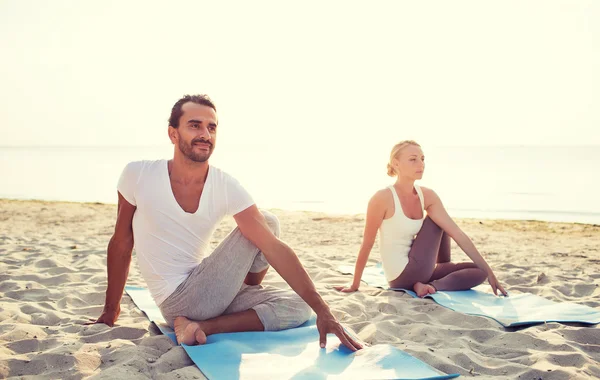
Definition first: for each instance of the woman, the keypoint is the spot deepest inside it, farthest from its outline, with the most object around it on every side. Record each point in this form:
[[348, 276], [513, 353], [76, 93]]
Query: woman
[[415, 249]]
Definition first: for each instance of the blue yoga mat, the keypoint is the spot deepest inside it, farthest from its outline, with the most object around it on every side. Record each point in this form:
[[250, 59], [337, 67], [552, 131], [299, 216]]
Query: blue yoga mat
[[515, 310], [290, 354]]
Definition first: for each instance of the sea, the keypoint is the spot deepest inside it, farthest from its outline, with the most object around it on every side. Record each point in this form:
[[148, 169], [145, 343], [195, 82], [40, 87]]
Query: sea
[[546, 183]]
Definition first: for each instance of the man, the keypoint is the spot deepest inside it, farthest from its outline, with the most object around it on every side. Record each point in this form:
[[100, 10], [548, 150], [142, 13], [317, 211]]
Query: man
[[170, 209]]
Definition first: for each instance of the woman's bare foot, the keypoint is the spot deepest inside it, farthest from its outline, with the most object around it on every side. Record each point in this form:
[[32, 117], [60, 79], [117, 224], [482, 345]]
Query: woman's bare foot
[[188, 332], [423, 289]]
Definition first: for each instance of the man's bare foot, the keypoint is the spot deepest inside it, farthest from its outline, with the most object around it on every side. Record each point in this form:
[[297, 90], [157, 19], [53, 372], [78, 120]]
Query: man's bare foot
[[423, 289], [188, 332]]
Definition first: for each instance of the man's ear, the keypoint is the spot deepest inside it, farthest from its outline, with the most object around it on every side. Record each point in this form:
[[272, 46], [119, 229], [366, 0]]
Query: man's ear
[[172, 134]]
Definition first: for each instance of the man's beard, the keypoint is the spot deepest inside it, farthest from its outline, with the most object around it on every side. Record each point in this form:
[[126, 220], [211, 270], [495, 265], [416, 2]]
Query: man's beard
[[188, 150]]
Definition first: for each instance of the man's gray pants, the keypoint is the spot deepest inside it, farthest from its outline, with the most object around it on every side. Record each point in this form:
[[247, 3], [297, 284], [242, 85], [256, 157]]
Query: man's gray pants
[[216, 287]]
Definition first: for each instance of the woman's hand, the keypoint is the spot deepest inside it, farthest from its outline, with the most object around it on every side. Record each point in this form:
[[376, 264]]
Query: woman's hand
[[346, 289], [495, 284]]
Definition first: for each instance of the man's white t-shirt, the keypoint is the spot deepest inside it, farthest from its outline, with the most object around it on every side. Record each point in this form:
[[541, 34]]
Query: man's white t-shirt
[[168, 241]]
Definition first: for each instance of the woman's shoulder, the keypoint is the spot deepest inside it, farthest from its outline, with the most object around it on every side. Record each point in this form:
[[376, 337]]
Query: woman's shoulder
[[425, 190], [381, 196], [383, 193], [429, 195]]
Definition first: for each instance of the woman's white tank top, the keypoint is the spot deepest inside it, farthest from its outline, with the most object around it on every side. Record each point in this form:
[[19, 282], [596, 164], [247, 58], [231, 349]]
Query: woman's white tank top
[[396, 237]]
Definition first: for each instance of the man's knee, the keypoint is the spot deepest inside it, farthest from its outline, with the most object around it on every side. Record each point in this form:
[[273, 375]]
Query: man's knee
[[272, 222], [302, 312], [305, 312], [293, 311], [286, 311]]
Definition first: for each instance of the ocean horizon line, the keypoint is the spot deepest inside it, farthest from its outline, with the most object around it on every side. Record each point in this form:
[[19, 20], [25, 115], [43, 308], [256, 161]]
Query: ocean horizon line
[[501, 182], [270, 144], [488, 214]]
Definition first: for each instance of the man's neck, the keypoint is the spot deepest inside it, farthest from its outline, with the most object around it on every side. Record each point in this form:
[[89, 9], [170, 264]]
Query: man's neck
[[185, 171]]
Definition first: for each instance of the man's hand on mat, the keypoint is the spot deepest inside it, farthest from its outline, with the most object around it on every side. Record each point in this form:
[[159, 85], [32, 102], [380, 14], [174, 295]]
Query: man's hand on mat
[[495, 284], [108, 317], [346, 289], [326, 323]]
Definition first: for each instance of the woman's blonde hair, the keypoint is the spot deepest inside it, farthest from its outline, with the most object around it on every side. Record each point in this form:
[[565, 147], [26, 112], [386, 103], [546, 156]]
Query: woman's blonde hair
[[395, 152]]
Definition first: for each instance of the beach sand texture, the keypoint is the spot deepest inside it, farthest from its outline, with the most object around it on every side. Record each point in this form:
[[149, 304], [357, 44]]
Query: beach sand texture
[[53, 278]]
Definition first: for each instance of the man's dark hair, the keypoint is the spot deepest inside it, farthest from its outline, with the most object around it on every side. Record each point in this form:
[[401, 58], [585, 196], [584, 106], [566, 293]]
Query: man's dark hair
[[176, 112]]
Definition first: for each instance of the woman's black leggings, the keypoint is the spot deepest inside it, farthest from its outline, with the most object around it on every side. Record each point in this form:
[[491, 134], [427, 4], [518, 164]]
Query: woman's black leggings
[[429, 262]]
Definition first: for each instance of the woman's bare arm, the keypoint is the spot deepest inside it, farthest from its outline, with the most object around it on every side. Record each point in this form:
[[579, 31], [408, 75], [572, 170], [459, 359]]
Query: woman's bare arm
[[437, 212], [375, 215]]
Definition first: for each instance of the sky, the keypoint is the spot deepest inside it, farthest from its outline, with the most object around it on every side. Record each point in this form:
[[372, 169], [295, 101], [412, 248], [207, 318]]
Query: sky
[[304, 75]]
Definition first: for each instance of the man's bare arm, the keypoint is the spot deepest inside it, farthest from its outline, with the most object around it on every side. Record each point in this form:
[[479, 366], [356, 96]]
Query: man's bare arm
[[119, 252], [282, 258]]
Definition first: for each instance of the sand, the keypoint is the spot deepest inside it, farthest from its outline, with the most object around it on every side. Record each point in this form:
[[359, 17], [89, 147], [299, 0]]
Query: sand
[[53, 278]]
